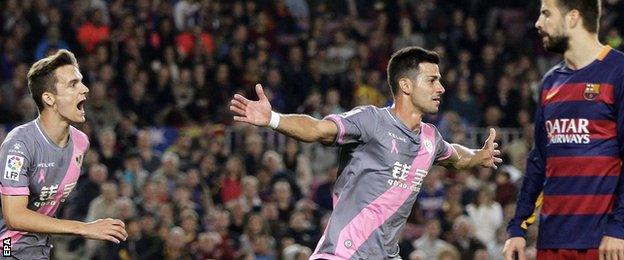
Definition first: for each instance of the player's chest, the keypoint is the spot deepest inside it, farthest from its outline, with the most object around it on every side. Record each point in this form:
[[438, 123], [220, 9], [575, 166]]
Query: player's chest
[[396, 149], [53, 176]]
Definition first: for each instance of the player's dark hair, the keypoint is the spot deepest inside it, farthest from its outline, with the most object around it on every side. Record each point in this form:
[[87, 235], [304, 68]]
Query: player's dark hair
[[41, 76], [590, 11], [406, 61]]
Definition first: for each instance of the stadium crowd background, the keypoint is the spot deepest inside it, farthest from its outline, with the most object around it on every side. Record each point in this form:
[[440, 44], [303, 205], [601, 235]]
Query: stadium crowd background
[[166, 158]]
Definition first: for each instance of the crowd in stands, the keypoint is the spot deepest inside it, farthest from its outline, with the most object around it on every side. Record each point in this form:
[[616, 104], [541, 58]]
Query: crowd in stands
[[189, 183]]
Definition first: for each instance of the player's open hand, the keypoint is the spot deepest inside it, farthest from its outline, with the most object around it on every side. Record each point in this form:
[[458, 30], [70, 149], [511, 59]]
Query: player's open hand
[[489, 155], [611, 248], [514, 245], [254, 112], [113, 230]]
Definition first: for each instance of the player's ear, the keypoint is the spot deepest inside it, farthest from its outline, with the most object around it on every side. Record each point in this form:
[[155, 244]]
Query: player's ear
[[405, 85], [48, 99], [573, 18]]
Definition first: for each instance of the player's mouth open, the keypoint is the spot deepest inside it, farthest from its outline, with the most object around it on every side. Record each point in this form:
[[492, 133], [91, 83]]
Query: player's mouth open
[[80, 105], [437, 100]]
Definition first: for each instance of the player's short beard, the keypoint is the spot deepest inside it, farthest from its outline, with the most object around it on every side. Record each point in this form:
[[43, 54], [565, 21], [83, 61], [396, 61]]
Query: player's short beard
[[557, 44]]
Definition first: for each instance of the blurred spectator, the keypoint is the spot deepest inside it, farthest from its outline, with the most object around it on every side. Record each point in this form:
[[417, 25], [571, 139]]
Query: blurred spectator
[[429, 243], [486, 215], [93, 31], [463, 238]]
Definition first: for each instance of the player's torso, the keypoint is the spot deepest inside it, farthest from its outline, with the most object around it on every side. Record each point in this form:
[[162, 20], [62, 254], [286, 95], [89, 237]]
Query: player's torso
[[579, 108], [580, 114], [377, 188], [51, 174], [386, 160]]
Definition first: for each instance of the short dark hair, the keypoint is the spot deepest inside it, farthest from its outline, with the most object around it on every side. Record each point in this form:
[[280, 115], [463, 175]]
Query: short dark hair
[[407, 60], [590, 11], [41, 76]]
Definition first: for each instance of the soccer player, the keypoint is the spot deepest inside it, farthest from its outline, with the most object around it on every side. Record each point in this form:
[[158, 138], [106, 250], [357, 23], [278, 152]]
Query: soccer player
[[40, 164], [385, 154], [576, 161]]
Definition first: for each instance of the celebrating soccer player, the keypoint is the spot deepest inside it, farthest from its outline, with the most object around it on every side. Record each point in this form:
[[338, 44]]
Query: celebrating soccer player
[[385, 154], [41, 163], [576, 162]]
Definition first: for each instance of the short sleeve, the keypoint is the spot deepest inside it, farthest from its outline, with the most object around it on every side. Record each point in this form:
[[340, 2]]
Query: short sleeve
[[14, 164], [354, 126], [444, 150]]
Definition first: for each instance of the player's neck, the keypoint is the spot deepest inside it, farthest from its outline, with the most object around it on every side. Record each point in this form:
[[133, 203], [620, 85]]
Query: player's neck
[[583, 50], [54, 127], [408, 115]]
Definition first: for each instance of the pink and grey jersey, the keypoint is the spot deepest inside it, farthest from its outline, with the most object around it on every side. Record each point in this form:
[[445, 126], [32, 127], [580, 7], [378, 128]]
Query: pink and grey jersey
[[33, 166], [382, 166]]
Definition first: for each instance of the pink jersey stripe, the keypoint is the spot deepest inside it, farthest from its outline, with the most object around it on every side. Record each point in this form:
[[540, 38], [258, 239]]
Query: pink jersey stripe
[[326, 256], [341, 127], [387, 204], [81, 143], [14, 191], [14, 235]]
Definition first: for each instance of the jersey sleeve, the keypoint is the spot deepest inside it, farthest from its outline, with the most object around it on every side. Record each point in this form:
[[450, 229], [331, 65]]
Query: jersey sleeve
[[615, 220], [355, 126], [530, 195], [14, 165], [443, 150]]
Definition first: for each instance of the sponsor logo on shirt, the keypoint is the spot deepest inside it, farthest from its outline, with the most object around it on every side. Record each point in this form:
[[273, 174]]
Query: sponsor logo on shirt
[[47, 194], [13, 166], [568, 131], [395, 136], [46, 165], [400, 172], [16, 149], [6, 247]]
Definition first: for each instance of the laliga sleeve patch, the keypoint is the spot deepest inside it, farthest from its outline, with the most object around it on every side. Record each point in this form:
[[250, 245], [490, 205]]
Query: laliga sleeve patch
[[13, 167]]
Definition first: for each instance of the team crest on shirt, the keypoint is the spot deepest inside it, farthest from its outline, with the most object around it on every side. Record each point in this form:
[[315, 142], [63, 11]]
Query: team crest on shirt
[[13, 166], [79, 160], [592, 90], [428, 146]]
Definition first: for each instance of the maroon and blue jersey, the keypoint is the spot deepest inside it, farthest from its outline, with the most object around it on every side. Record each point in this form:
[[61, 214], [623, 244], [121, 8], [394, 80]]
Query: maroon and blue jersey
[[34, 166], [574, 170]]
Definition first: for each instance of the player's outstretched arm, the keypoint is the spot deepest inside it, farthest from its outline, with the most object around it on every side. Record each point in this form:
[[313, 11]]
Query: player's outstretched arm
[[301, 127], [464, 158], [19, 218]]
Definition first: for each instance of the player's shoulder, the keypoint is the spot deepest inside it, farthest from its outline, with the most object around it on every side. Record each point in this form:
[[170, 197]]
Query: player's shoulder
[[615, 59], [79, 137], [24, 133], [368, 110]]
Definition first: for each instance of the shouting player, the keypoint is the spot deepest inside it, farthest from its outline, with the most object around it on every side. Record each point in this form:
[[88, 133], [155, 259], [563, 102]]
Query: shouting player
[[576, 162], [41, 163], [385, 154]]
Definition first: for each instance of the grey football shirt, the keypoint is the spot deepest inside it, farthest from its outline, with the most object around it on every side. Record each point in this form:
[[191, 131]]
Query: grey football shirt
[[382, 164], [32, 165]]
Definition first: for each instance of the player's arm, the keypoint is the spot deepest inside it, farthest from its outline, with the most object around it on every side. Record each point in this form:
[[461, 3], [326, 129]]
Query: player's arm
[[612, 242], [19, 218], [301, 127], [532, 186], [464, 158]]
